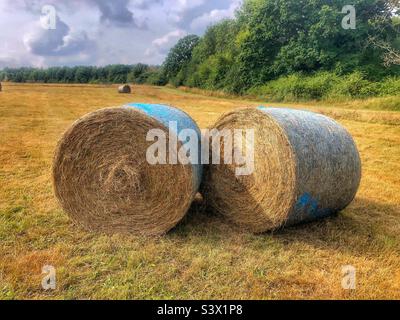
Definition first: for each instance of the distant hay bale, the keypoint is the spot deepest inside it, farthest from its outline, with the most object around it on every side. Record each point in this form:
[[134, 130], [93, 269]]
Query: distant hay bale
[[124, 89], [104, 182], [0, 86], [307, 167]]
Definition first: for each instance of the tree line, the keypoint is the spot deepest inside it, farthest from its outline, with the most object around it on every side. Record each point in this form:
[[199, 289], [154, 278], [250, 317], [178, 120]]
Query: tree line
[[138, 73], [270, 47], [272, 39]]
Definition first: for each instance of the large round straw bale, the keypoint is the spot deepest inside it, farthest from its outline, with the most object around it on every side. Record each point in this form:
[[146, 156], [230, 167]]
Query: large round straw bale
[[104, 182], [124, 89], [306, 167]]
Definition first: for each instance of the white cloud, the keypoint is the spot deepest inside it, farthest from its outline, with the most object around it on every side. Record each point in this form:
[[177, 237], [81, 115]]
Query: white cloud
[[177, 9], [208, 18], [60, 41], [162, 45], [168, 38], [99, 32]]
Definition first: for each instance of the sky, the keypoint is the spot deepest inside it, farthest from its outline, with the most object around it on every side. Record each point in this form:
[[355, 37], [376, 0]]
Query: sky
[[44, 33]]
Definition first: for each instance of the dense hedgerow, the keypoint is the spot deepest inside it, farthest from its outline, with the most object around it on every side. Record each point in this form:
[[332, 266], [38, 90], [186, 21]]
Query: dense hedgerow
[[292, 50], [326, 86]]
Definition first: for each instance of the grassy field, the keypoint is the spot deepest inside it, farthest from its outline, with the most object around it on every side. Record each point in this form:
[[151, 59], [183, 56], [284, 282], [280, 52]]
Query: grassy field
[[203, 257]]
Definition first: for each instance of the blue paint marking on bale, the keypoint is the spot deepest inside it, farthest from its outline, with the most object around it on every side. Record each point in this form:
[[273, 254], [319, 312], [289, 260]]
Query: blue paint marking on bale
[[307, 209], [326, 155], [165, 114]]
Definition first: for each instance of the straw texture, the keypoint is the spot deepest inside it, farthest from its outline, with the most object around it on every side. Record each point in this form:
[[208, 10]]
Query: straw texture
[[104, 182], [307, 167]]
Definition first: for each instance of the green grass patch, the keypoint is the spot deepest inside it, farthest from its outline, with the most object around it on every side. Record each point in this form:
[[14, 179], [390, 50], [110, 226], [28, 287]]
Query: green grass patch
[[332, 87]]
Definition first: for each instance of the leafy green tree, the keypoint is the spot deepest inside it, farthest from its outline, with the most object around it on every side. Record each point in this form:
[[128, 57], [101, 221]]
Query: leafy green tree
[[82, 75], [288, 36], [179, 56], [269, 39]]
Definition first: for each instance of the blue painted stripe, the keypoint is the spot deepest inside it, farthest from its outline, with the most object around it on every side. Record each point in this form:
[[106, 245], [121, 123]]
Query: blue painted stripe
[[164, 114]]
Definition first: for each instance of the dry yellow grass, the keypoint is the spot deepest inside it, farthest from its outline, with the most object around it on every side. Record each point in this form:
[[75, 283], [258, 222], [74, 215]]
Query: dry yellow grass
[[203, 257]]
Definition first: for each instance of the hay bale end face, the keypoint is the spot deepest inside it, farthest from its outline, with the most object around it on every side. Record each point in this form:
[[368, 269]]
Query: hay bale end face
[[104, 182], [124, 89], [307, 167]]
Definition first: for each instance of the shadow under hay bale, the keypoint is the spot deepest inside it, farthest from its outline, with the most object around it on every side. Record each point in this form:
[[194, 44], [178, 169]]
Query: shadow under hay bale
[[124, 89], [102, 177], [306, 167]]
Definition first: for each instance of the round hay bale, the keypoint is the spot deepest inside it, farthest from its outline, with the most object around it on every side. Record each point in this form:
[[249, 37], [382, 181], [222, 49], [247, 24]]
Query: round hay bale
[[306, 167], [104, 182], [124, 89], [0, 86]]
